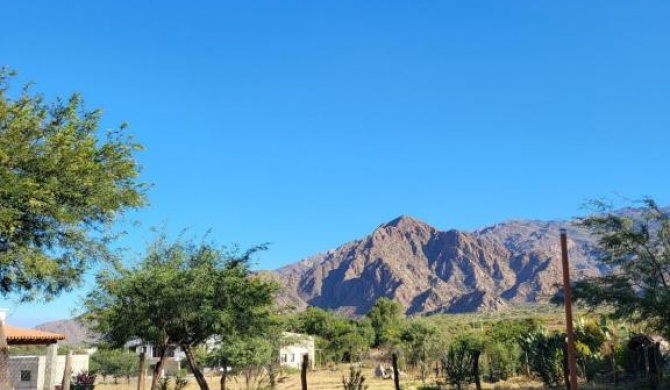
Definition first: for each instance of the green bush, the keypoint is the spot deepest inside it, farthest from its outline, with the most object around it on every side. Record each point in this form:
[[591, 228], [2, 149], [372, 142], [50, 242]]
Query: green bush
[[354, 381], [504, 360], [430, 386]]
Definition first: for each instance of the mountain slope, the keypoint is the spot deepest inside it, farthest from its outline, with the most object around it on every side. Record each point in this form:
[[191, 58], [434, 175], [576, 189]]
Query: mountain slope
[[75, 333], [431, 271]]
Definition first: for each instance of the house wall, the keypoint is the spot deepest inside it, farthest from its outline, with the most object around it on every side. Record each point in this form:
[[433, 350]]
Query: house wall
[[291, 355], [79, 364], [34, 366]]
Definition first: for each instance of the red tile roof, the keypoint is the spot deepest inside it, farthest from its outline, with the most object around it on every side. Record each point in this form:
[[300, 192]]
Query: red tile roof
[[16, 335]]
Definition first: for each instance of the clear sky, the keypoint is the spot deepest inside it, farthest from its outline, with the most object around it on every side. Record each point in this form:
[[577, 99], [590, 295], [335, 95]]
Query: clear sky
[[309, 123]]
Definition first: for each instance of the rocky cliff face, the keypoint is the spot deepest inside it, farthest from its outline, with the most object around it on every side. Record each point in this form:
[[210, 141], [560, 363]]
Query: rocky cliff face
[[432, 271]]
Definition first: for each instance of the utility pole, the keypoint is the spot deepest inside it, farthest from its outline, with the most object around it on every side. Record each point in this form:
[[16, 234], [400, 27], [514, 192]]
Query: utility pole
[[572, 365]]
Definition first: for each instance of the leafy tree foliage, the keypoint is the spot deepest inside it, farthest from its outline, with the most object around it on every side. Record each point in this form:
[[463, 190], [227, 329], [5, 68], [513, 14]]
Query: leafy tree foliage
[[460, 359], [250, 357], [117, 363], [637, 246], [386, 317], [61, 186], [546, 355], [421, 341], [182, 293], [315, 321], [340, 338], [502, 347]]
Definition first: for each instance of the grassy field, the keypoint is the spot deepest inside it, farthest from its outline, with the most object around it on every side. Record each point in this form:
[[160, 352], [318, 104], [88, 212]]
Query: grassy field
[[325, 379]]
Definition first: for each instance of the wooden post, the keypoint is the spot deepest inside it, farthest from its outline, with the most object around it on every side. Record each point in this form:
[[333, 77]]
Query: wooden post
[[67, 373], [141, 372], [396, 372], [572, 363], [303, 371]]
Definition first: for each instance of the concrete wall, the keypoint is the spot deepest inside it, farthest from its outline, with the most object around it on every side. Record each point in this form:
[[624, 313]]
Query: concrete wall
[[79, 364], [32, 366], [36, 365]]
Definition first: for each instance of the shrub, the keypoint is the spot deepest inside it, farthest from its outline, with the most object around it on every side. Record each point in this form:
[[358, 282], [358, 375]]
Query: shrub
[[354, 381]]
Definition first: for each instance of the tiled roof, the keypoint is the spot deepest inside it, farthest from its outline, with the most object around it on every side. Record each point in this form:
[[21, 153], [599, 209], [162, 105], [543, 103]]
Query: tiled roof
[[16, 335]]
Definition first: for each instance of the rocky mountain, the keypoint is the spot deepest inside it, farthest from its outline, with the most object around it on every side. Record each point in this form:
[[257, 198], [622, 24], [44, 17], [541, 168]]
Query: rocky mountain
[[75, 333], [432, 271]]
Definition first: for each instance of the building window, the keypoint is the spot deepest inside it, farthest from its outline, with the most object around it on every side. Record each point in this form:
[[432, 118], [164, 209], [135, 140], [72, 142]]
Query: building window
[[283, 358], [25, 375], [293, 357]]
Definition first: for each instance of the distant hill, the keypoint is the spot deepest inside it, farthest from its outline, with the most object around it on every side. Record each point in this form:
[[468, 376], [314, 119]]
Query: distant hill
[[75, 333], [428, 270], [432, 271]]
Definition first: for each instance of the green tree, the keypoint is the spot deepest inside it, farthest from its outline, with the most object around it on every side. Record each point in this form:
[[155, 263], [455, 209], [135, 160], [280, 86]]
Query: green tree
[[113, 362], [546, 355], [637, 246], [386, 317], [61, 187], [460, 360], [340, 338], [421, 341], [182, 293], [348, 339], [502, 348], [315, 321], [250, 357]]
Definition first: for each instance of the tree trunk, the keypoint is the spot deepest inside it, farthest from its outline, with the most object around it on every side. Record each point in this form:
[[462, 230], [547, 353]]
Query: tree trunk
[[224, 376], [197, 372], [157, 370], [272, 374], [475, 369], [67, 374], [140, 371], [659, 361], [614, 373]]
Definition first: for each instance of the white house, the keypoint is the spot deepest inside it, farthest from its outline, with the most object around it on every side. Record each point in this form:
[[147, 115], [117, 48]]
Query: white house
[[173, 356], [296, 346]]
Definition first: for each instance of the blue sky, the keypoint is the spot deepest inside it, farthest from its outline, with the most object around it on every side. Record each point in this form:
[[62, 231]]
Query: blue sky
[[309, 123]]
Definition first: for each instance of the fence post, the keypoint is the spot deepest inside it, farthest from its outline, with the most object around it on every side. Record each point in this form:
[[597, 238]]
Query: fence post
[[303, 371], [396, 372]]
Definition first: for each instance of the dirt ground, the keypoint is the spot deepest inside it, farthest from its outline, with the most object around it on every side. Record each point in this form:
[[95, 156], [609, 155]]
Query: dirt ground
[[325, 379]]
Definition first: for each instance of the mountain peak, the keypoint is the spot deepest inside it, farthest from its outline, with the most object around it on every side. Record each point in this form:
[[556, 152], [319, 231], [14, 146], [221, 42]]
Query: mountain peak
[[404, 221], [430, 271]]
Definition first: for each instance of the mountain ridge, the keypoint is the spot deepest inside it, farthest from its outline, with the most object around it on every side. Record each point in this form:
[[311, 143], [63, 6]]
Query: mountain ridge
[[430, 271]]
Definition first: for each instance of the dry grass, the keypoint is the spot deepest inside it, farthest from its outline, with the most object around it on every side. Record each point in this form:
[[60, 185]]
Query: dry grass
[[324, 379]]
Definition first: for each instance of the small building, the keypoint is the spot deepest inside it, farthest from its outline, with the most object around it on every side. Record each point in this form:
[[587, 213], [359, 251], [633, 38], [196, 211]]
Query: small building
[[172, 363], [294, 348], [31, 372]]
